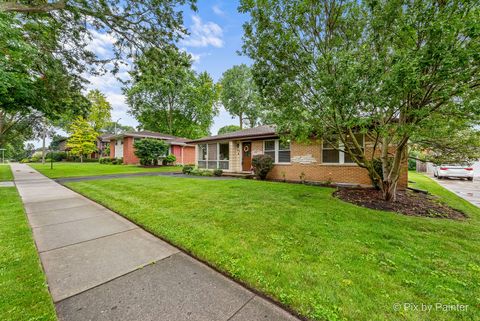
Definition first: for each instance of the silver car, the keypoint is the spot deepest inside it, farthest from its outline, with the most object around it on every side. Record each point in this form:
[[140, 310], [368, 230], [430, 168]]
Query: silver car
[[453, 170]]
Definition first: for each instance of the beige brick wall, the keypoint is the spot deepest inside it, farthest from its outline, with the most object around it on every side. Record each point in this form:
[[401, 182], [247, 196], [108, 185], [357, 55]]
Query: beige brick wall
[[306, 161], [234, 157]]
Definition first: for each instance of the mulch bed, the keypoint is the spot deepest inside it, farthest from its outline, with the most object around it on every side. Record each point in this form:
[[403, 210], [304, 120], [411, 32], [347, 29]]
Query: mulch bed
[[407, 203]]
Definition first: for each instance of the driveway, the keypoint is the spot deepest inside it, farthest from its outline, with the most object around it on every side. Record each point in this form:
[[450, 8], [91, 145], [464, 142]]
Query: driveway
[[463, 188]]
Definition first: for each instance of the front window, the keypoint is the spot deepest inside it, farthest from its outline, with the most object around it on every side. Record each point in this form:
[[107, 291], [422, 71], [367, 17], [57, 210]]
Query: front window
[[213, 156], [283, 152], [269, 148], [351, 145], [332, 150], [223, 155], [279, 151], [202, 155]]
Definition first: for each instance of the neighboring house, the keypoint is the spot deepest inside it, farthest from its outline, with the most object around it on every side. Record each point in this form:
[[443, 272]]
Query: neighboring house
[[102, 143], [294, 161], [121, 146], [62, 145]]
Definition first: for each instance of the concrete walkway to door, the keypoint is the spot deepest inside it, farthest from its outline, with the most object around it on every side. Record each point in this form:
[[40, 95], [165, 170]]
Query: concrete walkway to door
[[100, 266]]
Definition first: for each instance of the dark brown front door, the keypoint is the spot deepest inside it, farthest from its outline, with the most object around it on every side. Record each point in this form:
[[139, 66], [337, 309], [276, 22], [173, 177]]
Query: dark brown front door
[[246, 156]]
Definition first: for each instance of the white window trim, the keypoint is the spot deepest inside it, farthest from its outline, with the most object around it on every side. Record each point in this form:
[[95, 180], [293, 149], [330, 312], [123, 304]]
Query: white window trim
[[277, 149], [341, 155]]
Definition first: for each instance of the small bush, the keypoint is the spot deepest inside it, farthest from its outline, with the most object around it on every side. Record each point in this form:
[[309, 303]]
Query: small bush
[[262, 165], [201, 172], [170, 159], [187, 169], [104, 160], [25, 160], [116, 161], [149, 150], [57, 156], [218, 172]]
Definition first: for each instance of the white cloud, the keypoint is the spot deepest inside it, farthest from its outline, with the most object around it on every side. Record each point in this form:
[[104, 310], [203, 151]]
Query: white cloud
[[204, 34], [219, 12], [101, 43]]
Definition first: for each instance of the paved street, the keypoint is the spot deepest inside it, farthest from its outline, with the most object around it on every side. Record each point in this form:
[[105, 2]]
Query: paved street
[[100, 266], [463, 188]]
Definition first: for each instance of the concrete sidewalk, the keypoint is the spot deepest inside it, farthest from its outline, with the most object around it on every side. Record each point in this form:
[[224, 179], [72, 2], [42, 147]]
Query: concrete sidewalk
[[100, 266]]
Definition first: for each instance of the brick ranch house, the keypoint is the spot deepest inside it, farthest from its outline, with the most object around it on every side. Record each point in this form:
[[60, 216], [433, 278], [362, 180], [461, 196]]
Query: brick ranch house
[[313, 161], [121, 146]]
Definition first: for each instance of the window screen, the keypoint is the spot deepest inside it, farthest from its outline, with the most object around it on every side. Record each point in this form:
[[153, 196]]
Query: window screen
[[329, 153], [269, 148], [202, 152], [283, 152], [224, 151]]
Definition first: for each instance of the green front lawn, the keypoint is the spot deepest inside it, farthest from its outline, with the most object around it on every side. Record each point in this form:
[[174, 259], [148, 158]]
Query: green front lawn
[[23, 290], [64, 169], [326, 259], [5, 173]]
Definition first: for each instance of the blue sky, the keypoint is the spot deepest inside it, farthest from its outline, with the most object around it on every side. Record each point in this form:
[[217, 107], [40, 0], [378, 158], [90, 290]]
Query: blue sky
[[215, 37]]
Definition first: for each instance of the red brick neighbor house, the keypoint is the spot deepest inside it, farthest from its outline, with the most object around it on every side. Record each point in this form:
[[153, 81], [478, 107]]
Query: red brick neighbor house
[[121, 146], [294, 161]]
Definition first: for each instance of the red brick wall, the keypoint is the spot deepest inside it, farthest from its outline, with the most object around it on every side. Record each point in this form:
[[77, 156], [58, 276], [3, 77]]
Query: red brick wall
[[128, 152], [177, 151], [189, 155], [112, 148]]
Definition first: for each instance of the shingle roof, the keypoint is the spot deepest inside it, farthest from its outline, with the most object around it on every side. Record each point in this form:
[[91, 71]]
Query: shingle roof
[[149, 134], [260, 131]]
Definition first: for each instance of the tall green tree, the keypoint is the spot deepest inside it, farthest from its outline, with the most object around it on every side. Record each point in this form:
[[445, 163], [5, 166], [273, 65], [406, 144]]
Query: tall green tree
[[166, 95], [228, 129], [240, 95], [83, 138], [100, 111], [64, 27], [34, 81], [114, 128], [383, 68]]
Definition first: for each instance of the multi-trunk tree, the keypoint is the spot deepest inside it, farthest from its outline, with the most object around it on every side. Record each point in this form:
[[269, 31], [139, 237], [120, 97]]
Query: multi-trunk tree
[[382, 68]]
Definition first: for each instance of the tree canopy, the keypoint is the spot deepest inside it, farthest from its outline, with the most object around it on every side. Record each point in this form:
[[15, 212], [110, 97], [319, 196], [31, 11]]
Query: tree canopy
[[83, 138], [228, 129], [240, 96], [100, 111], [66, 27], [383, 68], [166, 95]]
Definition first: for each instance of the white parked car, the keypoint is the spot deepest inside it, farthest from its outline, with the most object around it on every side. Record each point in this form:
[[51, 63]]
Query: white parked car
[[453, 170]]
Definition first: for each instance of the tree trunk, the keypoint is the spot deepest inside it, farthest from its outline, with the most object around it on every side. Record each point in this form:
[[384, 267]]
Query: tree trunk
[[81, 158], [241, 120], [389, 190], [44, 136], [170, 116]]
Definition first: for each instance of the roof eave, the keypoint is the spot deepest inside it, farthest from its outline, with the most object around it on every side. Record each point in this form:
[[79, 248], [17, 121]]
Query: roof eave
[[244, 137]]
